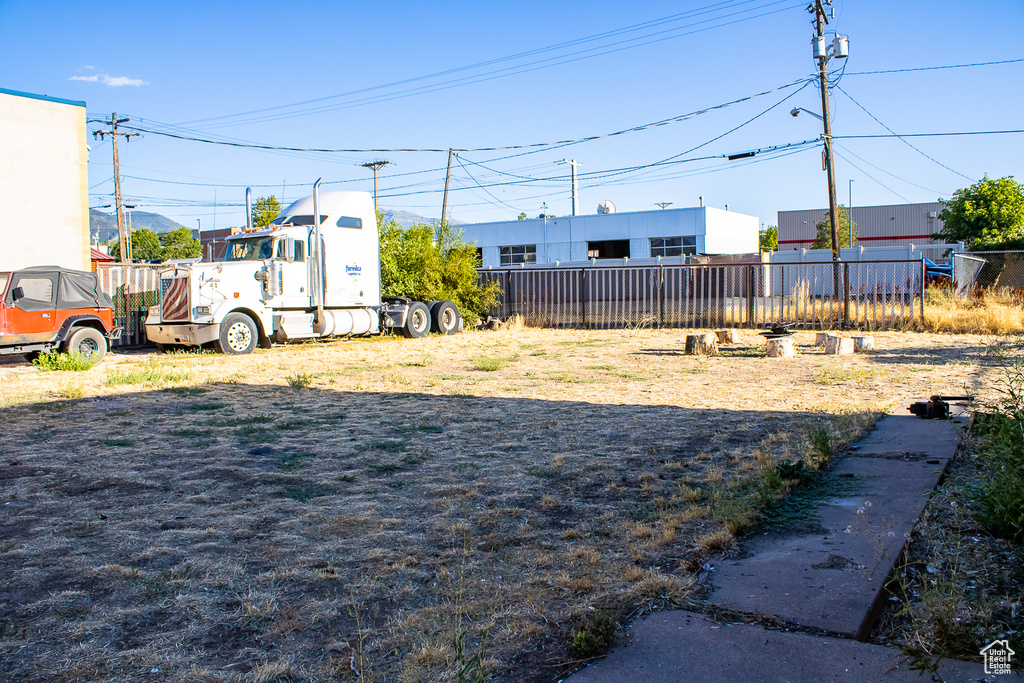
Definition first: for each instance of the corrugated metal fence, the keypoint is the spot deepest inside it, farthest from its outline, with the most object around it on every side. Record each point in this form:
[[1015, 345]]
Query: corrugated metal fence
[[872, 295], [134, 288]]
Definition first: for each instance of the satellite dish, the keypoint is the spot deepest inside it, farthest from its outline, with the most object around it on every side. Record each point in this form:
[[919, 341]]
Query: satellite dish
[[606, 206]]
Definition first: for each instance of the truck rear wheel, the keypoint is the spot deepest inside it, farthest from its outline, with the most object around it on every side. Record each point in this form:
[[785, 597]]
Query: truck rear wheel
[[88, 342], [417, 321], [238, 334], [444, 317]]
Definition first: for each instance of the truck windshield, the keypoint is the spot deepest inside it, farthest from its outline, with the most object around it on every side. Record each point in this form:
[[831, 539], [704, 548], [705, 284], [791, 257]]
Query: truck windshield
[[252, 249]]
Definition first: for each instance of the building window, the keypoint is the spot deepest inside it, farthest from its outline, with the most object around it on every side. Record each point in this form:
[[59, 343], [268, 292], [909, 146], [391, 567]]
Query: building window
[[521, 253], [673, 246], [608, 249]]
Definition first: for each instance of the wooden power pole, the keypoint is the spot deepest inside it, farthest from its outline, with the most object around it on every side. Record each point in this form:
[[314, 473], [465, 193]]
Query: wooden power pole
[[447, 177], [122, 233], [376, 166], [833, 214]]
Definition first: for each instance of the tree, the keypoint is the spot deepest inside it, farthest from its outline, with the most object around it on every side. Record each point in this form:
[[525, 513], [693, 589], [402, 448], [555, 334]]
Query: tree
[[265, 210], [823, 238], [146, 247], [179, 243], [429, 263], [988, 215], [769, 239], [522, 216]]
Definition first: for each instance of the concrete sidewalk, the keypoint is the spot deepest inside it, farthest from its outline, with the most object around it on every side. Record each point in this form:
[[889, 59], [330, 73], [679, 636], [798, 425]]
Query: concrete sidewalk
[[828, 579]]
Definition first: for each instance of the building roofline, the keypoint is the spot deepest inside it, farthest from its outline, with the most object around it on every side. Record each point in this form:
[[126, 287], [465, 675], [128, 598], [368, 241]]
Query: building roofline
[[45, 98]]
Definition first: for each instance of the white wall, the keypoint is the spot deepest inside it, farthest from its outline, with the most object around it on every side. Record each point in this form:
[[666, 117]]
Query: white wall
[[44, 184], [728, 232], [565, 238]]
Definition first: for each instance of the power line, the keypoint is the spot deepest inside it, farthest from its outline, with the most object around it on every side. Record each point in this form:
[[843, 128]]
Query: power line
[[929, 135], [932, 68], [862, 108], [874, 178], [633, 129], [889, 173], [509, 71]]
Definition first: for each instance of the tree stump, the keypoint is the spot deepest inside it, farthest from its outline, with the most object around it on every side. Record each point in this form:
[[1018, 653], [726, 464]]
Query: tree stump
[[727, 336], [838, 346], [863, 344], [701, 345], [781, 347], [819, 339]]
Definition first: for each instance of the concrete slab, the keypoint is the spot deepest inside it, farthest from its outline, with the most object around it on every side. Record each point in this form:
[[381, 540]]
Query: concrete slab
[[832, 578], [677, 646]]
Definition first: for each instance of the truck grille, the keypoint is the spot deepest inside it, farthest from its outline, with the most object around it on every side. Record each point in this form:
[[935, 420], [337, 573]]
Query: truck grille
[[175, 303]]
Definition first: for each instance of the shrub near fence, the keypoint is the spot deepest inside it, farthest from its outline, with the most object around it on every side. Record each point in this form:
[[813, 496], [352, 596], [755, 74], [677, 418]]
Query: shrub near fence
[[873, 295], [134, 288]]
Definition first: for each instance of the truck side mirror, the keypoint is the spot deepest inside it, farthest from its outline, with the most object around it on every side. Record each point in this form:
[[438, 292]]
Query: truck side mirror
[[289, 249], [17, 293]]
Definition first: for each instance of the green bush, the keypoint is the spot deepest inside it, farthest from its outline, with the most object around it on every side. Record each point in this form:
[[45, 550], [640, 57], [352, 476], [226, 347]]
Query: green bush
[[67, 362], [1000, 498], [431, 263]]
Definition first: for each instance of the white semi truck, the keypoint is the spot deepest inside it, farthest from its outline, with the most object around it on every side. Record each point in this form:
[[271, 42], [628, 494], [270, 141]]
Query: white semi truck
[[297, 278]]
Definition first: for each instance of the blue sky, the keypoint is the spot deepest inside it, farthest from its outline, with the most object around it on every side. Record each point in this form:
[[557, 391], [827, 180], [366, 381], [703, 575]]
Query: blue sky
[[195, 69]]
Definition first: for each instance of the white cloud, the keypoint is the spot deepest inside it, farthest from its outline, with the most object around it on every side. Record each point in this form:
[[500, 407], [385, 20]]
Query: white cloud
[[118, 81], [112, 81]]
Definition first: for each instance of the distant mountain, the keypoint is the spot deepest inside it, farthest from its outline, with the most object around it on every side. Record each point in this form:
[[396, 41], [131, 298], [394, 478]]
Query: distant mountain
[[408, 218], [103, 226]]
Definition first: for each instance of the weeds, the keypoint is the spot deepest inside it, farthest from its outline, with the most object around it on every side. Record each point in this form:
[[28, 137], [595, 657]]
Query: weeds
[[65, 362], [486, 364], [300, 380], [151, 374], [1000, 496]]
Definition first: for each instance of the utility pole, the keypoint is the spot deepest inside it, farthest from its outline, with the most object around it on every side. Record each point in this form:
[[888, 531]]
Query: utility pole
[[575, 189], [821, 54], [375, 165], [663, 205], [122, 237], [128, 233], [849, 212], [447, 177]]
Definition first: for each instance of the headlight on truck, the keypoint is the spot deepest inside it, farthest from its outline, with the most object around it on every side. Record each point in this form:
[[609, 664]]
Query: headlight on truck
[[154, 311], [202, 310]]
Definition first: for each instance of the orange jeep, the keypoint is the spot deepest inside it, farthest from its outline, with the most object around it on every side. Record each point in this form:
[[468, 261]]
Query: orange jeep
[[49, 308]]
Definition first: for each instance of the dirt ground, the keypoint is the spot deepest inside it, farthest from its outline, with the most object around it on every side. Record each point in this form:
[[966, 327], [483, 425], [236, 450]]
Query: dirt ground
[[392, 509]]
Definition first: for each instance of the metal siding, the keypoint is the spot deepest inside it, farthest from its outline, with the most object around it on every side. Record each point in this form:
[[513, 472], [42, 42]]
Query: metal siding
[[887, 225]]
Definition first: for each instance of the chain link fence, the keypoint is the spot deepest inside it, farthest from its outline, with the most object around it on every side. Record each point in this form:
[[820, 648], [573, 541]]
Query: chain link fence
[[988, 270], [872, 295], [134, 288]]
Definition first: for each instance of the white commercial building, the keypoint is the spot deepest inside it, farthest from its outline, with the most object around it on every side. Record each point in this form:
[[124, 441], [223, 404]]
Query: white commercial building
[[876, 226], [633, 235], [44, 183]]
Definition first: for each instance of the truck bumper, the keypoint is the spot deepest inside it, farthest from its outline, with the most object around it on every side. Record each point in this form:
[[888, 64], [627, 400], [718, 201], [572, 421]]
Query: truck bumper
[[187, 334]]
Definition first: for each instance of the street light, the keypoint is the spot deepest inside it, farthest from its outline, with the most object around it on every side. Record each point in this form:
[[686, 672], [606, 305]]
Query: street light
[[796, 112]]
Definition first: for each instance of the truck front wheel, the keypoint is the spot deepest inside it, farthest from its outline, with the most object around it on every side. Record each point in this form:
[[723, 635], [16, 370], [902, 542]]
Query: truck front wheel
[[238, 334], [88, 342]]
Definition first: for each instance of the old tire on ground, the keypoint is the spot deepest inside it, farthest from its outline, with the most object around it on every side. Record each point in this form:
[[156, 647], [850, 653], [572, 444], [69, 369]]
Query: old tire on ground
[[444, 317], [238, 334], [417, 322], [87, 341]]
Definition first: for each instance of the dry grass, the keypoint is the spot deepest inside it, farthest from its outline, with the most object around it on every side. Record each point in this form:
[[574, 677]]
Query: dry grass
[[996, 311], [403, 513]]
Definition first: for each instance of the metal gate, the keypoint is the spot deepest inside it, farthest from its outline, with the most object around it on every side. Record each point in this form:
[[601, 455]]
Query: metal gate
[[134, 288]]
